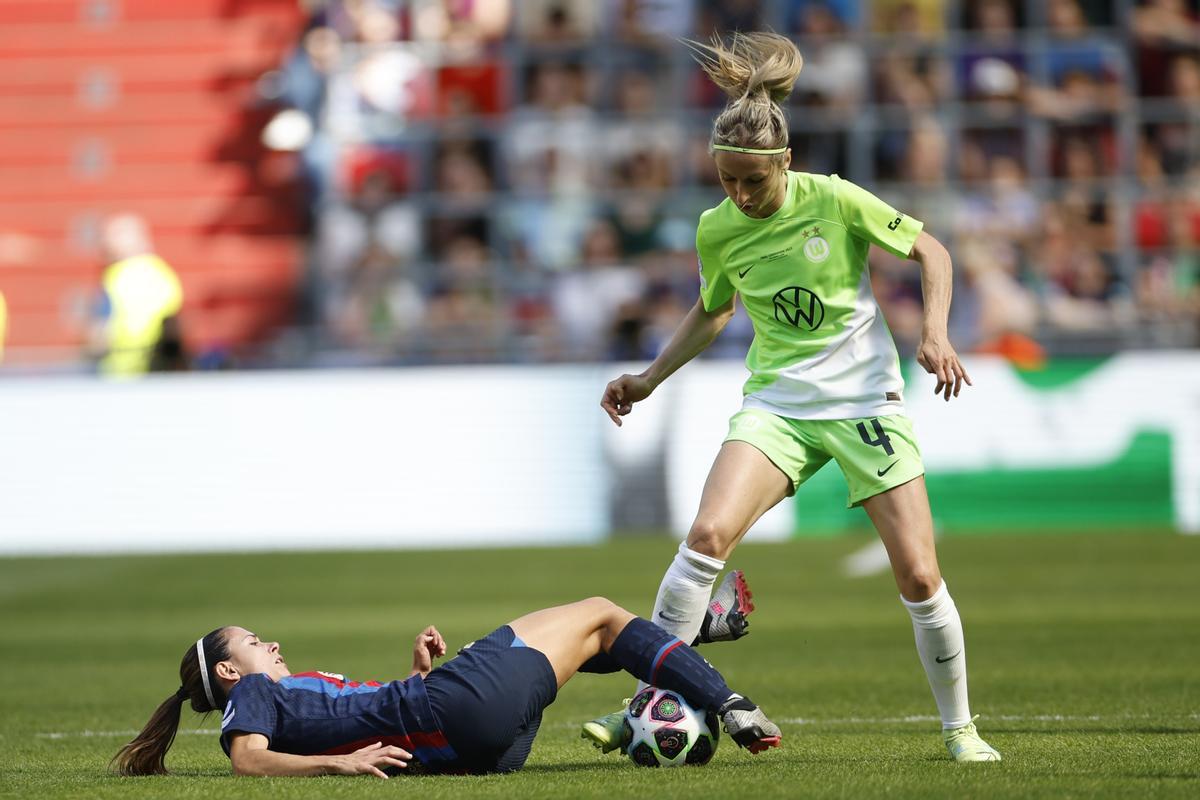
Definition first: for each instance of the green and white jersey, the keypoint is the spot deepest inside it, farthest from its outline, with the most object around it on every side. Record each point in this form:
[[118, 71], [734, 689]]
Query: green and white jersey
[[821, 349]]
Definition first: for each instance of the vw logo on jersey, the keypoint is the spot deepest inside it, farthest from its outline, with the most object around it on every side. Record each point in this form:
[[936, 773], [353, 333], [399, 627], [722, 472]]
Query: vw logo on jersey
[[816, 249], [799, 307]]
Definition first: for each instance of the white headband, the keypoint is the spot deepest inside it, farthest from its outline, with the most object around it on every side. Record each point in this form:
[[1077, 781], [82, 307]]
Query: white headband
[[204, 672]]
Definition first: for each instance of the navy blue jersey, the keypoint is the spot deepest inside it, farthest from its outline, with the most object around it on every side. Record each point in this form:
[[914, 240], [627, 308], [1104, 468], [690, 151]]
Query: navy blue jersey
[[321, 713]]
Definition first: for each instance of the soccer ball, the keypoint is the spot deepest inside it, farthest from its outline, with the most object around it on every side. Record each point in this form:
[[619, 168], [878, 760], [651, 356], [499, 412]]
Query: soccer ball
[[664, 731]]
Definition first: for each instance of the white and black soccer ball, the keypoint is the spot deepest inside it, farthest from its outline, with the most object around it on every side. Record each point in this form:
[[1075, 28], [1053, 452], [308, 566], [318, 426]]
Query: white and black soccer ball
[[667, 732]]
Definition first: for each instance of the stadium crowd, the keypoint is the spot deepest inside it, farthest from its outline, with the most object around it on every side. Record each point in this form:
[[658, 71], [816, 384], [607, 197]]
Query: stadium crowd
[[521, 181]]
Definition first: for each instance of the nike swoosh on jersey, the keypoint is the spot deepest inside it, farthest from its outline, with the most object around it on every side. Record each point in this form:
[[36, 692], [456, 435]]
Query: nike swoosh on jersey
[[941, 660], [742, 274], [882, 472]]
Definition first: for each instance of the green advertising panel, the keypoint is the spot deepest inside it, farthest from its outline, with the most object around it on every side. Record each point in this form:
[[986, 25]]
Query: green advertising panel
[[1128, 487]]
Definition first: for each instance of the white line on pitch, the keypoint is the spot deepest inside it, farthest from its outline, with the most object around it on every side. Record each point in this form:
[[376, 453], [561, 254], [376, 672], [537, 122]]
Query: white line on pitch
[[95, 734], [1000, 717]]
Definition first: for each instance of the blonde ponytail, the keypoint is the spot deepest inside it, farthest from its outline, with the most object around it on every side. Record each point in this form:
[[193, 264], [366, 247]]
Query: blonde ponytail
[[757, 71]]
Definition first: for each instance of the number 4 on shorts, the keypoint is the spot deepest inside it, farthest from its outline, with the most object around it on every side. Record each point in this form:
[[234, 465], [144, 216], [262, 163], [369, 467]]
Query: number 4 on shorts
[[881, 438]]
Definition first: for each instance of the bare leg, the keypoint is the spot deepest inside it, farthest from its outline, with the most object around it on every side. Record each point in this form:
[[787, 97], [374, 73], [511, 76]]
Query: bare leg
[[569, 635], [905, 525], [902, 517], [742, 485]]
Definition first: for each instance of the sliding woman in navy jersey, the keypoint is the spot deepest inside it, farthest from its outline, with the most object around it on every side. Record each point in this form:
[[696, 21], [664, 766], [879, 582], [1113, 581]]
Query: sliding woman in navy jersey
[[479, 712]]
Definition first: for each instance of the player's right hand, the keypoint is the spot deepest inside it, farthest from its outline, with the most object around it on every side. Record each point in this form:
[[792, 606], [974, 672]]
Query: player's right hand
[[621, 394], [368, 760]]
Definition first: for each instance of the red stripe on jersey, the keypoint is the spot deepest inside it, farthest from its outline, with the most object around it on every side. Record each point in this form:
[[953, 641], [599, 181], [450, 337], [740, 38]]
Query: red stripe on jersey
[[338, 682], [408, 742]]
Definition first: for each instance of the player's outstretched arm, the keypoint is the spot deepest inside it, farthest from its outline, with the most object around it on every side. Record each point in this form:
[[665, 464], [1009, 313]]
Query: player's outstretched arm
[[935, 353], [697, 331], [250, 755]]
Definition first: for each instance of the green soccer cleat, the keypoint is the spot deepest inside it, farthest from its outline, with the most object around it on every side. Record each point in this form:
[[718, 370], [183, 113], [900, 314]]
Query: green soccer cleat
[[965, 745], [609, 732]]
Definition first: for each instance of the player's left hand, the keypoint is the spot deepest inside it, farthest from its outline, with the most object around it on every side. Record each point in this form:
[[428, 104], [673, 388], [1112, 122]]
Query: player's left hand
[[938, 358], [428, 646]]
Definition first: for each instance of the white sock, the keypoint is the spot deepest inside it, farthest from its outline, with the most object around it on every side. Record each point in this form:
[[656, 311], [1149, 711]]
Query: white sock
[[939, 635], [684, 593]]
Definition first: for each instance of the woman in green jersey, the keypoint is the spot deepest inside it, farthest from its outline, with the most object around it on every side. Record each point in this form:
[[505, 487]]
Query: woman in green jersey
[[824, 374]]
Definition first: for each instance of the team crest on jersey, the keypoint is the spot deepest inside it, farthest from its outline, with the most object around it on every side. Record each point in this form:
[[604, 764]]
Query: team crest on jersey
[[816, 249]]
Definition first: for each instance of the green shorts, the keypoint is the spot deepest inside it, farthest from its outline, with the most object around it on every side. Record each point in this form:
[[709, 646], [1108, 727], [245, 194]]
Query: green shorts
[[875, 454]]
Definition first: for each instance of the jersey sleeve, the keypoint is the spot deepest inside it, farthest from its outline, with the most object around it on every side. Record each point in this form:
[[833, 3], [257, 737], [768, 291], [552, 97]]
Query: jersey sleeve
[[715, 287], [251, 709], [871, 219]]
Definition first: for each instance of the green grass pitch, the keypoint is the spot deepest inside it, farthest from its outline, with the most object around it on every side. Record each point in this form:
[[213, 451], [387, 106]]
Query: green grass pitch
[[1084, 656]]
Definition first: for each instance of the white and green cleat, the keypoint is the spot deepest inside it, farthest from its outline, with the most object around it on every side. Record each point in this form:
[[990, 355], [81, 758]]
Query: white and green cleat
[[965, 745], [609, 732]]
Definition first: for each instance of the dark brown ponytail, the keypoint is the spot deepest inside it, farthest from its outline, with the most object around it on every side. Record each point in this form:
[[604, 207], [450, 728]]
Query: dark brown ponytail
[[147, 753]]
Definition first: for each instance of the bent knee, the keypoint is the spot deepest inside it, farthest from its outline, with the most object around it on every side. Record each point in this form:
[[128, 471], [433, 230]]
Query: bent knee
[[712, 537], [919, 584], [600, 607]]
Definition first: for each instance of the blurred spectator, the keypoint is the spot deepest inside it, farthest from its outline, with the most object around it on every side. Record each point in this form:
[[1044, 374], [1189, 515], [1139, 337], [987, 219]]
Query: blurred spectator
[[1080, 291], [3, 324], [587, 300], [301, 85], [993, 68], [370, 222], [991, 299], [897, 288], [642, 327], [137, 329], [558, 22], [462, 172], [640, 144], [916, 78], [1083, 70], [913, 20], [464, 317], [919, 154], [549, 144], [722, 17], [834, 74], [1162, 29], [650, 22], [846, 13], [1004, 210], [378, 306], [1168, 282], [821, 151], [458, 23]]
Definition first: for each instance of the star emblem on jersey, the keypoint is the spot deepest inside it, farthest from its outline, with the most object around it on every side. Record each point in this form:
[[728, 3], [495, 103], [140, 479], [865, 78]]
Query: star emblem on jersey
[[816, 249], [799, 307]]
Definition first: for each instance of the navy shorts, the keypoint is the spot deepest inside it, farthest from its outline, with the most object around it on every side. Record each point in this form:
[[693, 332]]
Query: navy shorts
[[488, 701]]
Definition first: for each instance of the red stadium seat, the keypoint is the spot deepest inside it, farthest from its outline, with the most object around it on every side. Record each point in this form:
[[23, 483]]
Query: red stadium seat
[[143, 106]]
